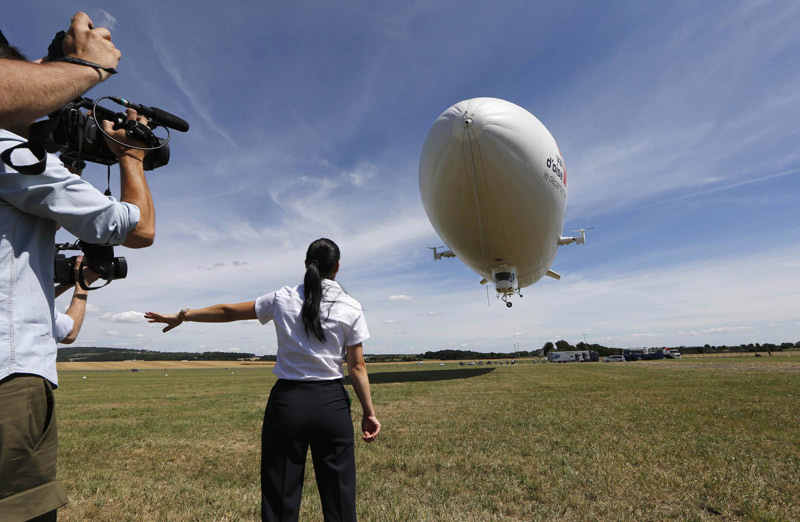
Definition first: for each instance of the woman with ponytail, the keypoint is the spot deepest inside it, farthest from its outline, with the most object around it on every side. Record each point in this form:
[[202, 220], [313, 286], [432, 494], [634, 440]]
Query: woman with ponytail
[[319, 327]]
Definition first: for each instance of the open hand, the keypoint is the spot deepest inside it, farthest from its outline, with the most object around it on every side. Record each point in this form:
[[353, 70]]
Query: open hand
[[171, 320]]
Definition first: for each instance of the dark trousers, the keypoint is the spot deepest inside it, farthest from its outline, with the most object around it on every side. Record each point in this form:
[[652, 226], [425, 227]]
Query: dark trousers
[[301, 414]]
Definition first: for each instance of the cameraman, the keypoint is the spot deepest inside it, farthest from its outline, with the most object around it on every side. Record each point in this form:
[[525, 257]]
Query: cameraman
[[31, 90], [31, 207]]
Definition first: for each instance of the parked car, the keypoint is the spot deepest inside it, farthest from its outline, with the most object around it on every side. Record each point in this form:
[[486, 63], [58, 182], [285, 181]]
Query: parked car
[[614, 358], [673, 354]]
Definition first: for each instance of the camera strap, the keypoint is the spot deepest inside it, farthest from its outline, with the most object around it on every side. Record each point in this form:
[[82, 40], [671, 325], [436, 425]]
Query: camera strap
[[79, 61], [82, 281], [38, 135], [38, 151]]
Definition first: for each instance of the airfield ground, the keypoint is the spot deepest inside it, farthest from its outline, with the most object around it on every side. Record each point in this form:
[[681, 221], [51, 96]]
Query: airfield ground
[[692, 439]]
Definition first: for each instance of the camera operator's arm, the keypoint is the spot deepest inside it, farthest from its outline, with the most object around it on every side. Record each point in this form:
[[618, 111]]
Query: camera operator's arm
[[77, 307], [219, 313], [133, 184], [31, 90]]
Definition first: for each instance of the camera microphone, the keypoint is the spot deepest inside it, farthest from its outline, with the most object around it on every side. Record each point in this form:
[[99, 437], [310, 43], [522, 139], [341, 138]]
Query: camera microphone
[[154, 113]]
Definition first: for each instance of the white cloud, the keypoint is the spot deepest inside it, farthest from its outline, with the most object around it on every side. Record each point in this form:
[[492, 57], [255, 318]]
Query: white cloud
[[117, 333], [124, 317], [719, 330], [362, 174], [400, 297]]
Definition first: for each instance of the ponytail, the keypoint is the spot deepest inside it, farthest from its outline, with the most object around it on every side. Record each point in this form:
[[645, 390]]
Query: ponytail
[[321, 259]]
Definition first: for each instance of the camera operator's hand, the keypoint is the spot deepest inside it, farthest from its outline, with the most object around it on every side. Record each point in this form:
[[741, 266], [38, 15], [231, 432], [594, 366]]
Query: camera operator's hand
[[90, 43], [89, 275], [31, 90], [121, 136]]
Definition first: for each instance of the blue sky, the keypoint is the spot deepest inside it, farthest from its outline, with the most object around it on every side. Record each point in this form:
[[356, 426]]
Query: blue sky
[[678, 122]]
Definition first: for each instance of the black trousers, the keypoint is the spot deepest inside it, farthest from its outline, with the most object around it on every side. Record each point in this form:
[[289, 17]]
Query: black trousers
[[301, 414]]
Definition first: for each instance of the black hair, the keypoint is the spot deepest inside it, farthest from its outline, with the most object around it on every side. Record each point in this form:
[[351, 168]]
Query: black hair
[[321, 260], [8, 51]]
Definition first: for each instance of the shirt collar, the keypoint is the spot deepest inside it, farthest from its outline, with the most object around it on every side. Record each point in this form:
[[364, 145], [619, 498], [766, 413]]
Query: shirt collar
[[330, 282]]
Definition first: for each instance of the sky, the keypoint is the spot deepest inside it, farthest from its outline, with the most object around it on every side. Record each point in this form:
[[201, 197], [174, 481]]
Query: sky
[[678, 122]]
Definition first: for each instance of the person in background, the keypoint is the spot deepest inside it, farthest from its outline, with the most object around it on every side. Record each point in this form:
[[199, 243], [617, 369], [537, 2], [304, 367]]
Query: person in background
[[318, 327]]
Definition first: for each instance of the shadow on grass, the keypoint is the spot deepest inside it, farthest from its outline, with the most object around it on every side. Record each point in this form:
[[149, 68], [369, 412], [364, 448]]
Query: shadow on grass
[[424, 375]]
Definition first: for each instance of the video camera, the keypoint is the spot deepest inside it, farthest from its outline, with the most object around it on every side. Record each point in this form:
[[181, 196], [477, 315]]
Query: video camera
[[79, 138], [100, 258]]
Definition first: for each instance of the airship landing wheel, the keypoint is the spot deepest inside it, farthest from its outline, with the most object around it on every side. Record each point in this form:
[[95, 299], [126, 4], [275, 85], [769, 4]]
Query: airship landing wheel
[[508, 304]]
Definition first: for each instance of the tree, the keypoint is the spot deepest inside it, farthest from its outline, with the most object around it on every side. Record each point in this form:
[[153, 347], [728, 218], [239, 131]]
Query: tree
[[548, 347], [563, 345]]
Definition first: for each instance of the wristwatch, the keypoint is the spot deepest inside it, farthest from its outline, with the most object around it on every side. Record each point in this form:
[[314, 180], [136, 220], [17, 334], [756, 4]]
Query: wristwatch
[[182, 314]]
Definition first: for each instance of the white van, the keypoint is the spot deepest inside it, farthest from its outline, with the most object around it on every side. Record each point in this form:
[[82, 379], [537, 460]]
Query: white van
[[614, 358]]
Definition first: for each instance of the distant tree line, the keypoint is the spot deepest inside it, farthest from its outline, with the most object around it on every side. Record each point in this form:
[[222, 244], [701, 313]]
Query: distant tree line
[[457, 355], [604, 351], [99, 354], [752, 347]]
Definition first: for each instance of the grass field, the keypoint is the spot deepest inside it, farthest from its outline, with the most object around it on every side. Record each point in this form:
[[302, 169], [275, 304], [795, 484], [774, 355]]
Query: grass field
[[668, 440]]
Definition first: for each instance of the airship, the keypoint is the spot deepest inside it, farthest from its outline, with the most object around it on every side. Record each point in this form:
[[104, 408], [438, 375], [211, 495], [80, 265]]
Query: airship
[[493, 183]]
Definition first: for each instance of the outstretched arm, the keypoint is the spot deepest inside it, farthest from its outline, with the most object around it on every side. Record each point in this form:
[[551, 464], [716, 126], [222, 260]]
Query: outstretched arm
[[218, 313], [357, 371]]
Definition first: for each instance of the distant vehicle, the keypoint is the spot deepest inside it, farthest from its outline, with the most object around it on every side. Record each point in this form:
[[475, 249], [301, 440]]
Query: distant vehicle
[[673, 353], [472, 363], [441, 364], [642, 354], [573, 356], [480, 363], [614, 358], [462, 363]]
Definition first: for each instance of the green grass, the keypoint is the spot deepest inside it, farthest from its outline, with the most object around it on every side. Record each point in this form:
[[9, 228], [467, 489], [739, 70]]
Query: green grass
[[674, 441]]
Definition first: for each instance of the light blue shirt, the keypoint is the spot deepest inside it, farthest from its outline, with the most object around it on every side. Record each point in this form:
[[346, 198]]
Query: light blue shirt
[[30, 209]]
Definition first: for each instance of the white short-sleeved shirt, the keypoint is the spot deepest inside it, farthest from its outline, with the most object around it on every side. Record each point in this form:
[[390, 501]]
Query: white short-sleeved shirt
[[301, 356]]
